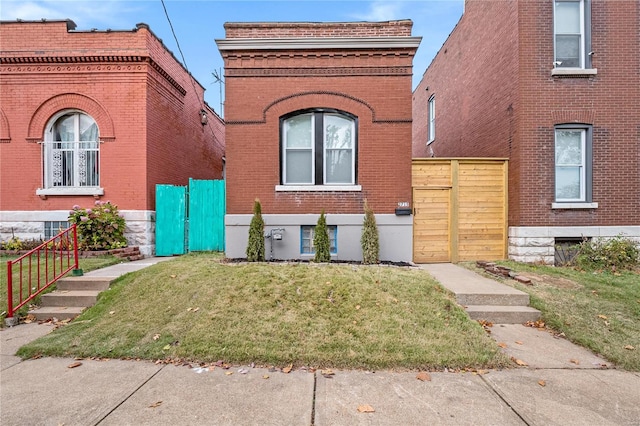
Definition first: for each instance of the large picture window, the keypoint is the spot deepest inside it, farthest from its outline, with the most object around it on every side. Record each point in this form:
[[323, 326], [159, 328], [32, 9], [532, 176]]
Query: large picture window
[[572, 33], [319, 148], [573, 164], [71, 152]]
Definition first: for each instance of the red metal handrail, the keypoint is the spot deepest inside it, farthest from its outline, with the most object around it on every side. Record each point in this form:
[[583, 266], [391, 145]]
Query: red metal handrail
[[57, 253]]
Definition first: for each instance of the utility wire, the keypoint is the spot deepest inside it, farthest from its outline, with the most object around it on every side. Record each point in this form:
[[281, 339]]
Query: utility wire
[[166, 13]]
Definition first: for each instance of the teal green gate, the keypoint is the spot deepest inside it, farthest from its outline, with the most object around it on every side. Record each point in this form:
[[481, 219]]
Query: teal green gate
[[193, 221], [206, 215], [171, 209]]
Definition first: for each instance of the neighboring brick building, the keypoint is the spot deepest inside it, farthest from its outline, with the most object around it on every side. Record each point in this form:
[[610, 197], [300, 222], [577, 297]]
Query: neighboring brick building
[[283, 81], [555, 87], [96, 115]]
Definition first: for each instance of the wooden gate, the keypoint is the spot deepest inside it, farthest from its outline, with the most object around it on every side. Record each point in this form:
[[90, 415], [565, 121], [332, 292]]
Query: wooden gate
[[460, 209], [190, 219]]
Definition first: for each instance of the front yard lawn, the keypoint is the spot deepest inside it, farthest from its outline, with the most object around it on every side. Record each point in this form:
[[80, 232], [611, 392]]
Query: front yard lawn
[[597, 310], [198, 308]]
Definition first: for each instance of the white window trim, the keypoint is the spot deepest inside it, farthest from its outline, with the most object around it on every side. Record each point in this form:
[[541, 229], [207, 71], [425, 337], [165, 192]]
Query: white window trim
[[352, 149], [571, 206], [431, 117], [318, 188], [45, 162], [583, 166], [313, 154], [585, 55]]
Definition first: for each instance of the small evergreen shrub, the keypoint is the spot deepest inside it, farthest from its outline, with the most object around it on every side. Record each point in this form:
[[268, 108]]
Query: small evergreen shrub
[[255, 246], [321, 240], [369, 239], [100, 227], [612, 254]]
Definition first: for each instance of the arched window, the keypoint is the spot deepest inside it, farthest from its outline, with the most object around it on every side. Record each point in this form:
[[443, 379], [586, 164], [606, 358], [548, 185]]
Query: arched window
[[71, 154], [319, 148]]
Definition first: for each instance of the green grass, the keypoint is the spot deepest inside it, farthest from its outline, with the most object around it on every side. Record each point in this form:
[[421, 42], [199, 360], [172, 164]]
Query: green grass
[[198, 308], [597, 310], [86, 264]]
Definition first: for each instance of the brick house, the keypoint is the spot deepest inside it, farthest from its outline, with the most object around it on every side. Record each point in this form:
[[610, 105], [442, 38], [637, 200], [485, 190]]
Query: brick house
[[96, 115], [318, 117], [554, 86]]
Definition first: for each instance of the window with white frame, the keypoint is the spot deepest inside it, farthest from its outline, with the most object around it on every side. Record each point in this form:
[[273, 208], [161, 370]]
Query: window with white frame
[[306, 239], [432, 119], [319, 148], [53, 228], [71, 152], [572, 34], [573, 163]]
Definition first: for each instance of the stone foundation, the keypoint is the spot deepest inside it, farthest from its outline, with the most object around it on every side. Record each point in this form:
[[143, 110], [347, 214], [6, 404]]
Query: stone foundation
[[536, 244], [29, 225]]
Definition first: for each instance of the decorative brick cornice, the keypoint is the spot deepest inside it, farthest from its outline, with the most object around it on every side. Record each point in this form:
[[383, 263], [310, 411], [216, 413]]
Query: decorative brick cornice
[[316, 72], [316, 93], [102, 63]]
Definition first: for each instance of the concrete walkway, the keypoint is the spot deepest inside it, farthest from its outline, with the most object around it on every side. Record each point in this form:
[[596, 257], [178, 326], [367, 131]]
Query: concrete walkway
[[562, 384]]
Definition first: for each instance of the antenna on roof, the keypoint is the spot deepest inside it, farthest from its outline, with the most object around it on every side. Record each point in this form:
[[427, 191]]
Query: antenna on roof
[[218, 76]]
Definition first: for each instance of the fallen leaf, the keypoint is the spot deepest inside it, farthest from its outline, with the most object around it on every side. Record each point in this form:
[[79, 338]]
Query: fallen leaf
[[327, 373], [542, 383], [574, 361], [366, 408], [166, 347], [629, 348], [357, 307], [602, 316], [112, 312], [156, 404], [74, 365], [518, 342], [424, 376], [243, 371], [173, 276], [287, 369], [502, 345], [196, 309], [266, 376], [519, 362], [156, 336], [228, 373]]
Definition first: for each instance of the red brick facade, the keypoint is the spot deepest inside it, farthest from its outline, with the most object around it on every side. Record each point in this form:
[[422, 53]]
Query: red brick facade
[[372, 84], [147, 108], [496, 96], [360, 68]]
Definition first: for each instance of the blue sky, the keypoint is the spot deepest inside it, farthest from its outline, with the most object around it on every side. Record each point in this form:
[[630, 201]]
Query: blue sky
[[197, 23]]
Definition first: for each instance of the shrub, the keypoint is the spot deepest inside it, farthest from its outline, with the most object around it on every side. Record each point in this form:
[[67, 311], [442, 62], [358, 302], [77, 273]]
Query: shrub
[[321, 240], [369, 239], [14, 243], [100, 227], [255, 246], [608, 254]]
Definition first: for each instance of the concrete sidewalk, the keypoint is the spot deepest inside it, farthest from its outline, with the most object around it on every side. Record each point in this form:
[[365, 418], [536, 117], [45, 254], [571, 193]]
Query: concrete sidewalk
[[562, 384]]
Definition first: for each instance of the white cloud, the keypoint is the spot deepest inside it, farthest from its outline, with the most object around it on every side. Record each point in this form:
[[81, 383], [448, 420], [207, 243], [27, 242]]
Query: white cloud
[[85, 13], [381, 11]]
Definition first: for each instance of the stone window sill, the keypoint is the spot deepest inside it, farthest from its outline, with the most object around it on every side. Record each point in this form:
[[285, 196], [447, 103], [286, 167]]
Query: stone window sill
[[571, 206], [573, 72], [94, 191], [318, 188]]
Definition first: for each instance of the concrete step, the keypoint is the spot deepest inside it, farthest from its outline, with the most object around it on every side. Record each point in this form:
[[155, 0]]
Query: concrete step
[[502, 314], [83, 283], [58, 312], [517, 298], [84, 298]]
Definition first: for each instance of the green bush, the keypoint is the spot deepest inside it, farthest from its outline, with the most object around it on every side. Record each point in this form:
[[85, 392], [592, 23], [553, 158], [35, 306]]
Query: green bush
[[100, 227], [369, 239], [321, 240], [618, 253], [255, 245], [14, 243]]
